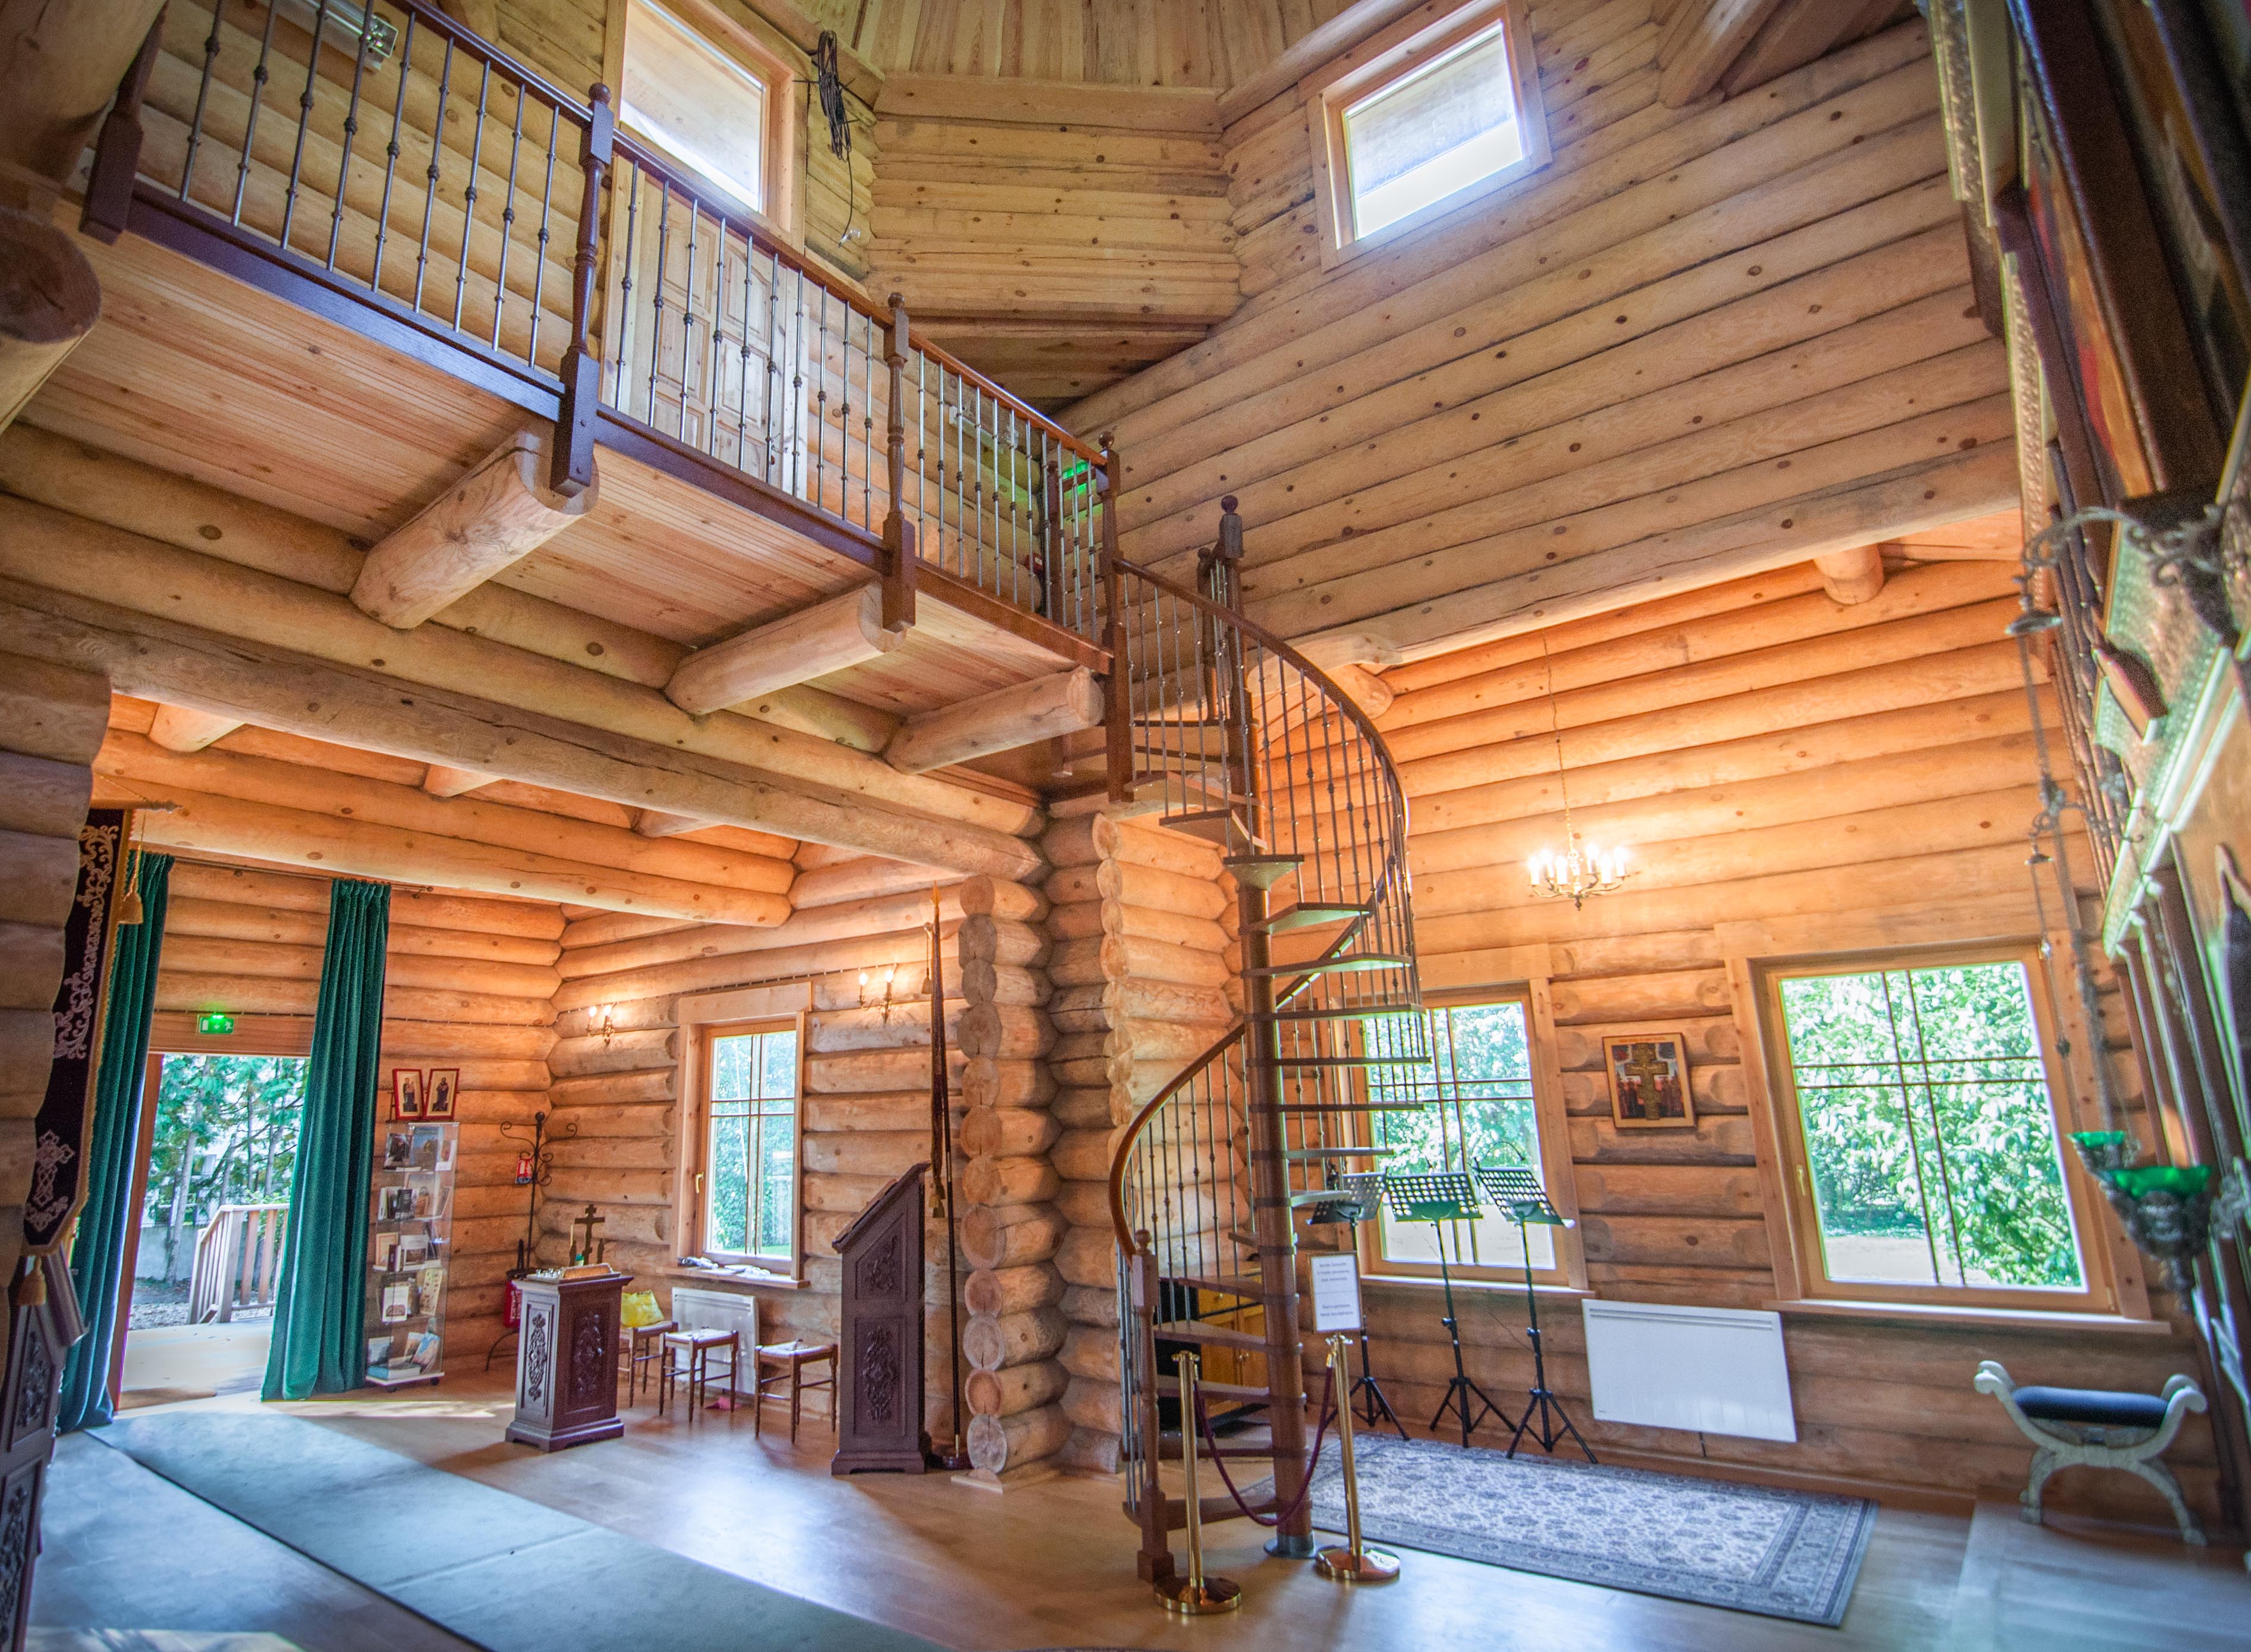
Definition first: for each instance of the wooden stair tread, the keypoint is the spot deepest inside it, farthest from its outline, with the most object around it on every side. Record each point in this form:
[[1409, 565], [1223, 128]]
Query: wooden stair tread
[[1217, 1336], [1307, 915], [1351, 962]]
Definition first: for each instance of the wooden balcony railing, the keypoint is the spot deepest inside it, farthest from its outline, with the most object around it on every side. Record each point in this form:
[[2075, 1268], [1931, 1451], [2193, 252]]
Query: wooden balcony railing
[[384, 166], [237, 1262]]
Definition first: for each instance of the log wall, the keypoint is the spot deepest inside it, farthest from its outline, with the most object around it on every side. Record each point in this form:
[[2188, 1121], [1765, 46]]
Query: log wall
[[1781, 766], [468, 982], [50, 724], [1056, 248], [1142, 928], [866, 1109], [1698, 342]]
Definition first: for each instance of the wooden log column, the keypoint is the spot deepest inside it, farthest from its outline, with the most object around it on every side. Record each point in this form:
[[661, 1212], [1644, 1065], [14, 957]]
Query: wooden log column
[[1139, 924], [1010, 1229]]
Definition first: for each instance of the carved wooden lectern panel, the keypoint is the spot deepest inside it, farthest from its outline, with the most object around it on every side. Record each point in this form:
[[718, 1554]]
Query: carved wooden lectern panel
[[879, 1385]]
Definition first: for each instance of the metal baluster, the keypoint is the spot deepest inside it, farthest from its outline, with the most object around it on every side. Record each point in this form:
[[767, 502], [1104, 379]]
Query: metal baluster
[[508, 217], [546, 207], [656, 300], [437, 162], [304, 122], [687, 315], [820, 494], [469, 195], [922, 456], [743, 379], [390, 152], [797, 466], [868, 431], [622, 394], [351, 130], [203, 94], [715, 334], [773, 360], [257, 79]]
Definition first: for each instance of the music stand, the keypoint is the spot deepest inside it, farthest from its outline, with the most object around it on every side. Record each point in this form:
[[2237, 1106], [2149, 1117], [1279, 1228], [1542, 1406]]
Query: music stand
[[1516, 1189], [1353, 1199], [1438, 1198]]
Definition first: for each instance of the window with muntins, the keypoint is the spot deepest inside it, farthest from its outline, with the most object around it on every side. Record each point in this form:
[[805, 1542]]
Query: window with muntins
[[1476, 1104], [750, 1131], [1928, 1159]]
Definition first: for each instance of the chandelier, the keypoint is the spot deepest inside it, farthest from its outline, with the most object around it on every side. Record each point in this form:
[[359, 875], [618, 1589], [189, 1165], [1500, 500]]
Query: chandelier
[[1581, 870]]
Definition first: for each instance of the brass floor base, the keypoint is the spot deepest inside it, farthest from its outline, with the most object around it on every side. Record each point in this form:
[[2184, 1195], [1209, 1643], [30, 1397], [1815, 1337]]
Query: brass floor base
[[1341, 1564], [1191, 1600]]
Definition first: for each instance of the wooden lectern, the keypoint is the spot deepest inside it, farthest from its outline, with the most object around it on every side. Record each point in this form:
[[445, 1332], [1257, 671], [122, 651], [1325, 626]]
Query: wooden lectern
[[566, 1361], [879, 1388]]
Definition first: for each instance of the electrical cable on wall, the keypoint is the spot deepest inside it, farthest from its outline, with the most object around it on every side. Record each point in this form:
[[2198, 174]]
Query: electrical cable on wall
[[828, 81]]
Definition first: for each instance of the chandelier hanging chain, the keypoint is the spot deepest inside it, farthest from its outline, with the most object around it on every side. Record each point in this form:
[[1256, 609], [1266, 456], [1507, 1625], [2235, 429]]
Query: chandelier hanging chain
[[1577, 872]]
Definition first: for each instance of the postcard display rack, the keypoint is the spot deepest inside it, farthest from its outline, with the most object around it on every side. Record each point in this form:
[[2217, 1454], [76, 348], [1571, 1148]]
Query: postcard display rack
[[410, 1229]]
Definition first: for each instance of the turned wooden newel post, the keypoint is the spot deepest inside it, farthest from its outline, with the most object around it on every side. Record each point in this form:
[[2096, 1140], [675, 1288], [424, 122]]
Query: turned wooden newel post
[[117, 150], [571, 465], [897, 565], [1119, 730]]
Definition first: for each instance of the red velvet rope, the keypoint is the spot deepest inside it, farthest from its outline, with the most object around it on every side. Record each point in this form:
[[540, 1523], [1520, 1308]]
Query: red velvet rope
[[1328, 1412]]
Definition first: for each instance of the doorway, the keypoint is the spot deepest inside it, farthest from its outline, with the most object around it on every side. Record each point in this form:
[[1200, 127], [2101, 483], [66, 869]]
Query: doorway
[[218, 1153]]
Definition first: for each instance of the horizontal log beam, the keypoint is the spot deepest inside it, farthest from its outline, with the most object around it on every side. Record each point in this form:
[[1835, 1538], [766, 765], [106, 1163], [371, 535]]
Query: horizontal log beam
[[835, 635], [444, 781], [1001, 721], [498, 513], [177, 729], [1853, 575], [163, 660]]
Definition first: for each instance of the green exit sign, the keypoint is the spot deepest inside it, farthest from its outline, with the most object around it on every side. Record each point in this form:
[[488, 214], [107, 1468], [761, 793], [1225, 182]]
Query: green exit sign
[[214, 1021]]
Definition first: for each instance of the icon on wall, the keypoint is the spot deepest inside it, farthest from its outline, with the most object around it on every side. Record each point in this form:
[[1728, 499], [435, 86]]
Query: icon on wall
[[1649, 1081]]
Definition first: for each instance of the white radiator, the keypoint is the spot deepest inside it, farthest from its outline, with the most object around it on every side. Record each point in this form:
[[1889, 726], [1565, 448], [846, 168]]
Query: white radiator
[[1714, 1369]]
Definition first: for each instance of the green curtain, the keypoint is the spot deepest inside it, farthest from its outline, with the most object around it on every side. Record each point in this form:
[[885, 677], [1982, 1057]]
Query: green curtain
[[98, 1253], [319, 1345]]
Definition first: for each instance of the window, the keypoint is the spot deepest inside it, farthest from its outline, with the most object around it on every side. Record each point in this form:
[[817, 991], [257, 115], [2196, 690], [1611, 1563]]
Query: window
[[704, 107], [1925, 1160], [1414, 125], [749, 1174], [1478, 1105]]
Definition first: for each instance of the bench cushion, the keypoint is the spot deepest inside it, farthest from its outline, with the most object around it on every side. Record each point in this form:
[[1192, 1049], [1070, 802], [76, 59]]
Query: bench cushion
[[2097, 1408]]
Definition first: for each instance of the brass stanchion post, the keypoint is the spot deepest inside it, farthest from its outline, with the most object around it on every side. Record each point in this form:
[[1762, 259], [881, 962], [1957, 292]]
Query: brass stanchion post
[[1351, 1564], [1195, 1595]]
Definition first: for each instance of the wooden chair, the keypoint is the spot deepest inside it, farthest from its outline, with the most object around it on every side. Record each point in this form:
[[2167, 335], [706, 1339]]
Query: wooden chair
[[789, 1360], [2097, 1429], [696, 1349], [644, 1345]]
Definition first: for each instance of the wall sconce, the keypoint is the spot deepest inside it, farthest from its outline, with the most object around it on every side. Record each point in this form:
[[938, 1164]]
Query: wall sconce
[[890, 978], [607, 1026]]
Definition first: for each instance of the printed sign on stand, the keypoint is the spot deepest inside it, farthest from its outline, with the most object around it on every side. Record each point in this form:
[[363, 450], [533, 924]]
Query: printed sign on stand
[[1336, 1293]]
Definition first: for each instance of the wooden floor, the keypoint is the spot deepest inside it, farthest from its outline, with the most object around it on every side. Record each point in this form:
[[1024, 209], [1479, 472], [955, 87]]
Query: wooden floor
[[1051, 1565]]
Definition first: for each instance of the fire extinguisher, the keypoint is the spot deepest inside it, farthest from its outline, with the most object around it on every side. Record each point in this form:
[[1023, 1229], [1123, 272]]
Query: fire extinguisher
[[523, 1168], [512, 1316]]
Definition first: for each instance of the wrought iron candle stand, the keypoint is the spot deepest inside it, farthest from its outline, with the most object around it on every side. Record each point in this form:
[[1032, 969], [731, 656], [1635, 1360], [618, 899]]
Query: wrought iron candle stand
[[1352, 1198], [534, 1165], [1438, 1198]]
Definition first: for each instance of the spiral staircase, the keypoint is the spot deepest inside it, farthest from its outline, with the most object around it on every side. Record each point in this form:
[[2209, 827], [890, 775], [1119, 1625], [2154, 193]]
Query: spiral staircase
[[1227, 733]]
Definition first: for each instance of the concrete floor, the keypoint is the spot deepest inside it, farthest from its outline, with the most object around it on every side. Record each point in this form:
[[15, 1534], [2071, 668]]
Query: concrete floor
[[1051, 1565]]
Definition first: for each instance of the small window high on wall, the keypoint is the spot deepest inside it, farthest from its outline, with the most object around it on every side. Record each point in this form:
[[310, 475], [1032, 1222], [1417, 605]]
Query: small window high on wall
[[712, 109], [1923, 1136], [748, 1173], [1423, 120]]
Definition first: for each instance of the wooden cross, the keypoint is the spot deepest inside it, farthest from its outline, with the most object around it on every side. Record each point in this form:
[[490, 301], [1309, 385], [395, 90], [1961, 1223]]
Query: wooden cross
[[1645, 1066], [590, 1221]]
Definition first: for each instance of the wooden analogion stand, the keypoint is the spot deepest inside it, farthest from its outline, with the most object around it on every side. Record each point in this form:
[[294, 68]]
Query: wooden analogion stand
[[566, 1364]]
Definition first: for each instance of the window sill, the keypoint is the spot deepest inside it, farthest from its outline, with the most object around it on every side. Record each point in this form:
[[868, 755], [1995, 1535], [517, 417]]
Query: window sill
[[1932, 1317], [1501, 1286], [761, 1281]]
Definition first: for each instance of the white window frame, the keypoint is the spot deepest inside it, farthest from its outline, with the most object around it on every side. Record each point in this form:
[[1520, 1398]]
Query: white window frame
[[1429, 32]]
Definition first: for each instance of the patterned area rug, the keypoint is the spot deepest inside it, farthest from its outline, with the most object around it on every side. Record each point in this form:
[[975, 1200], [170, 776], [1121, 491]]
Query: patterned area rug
[[1784, 1554]]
